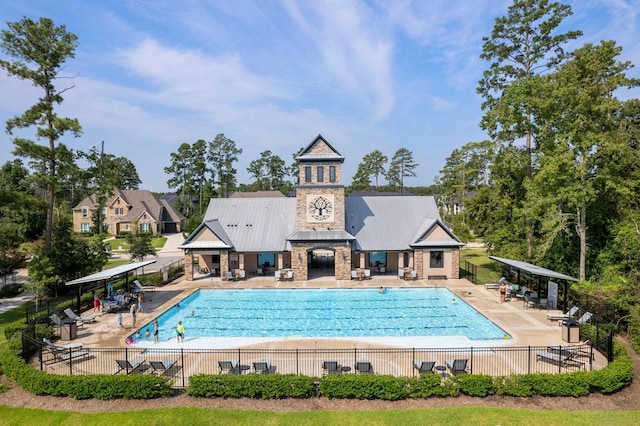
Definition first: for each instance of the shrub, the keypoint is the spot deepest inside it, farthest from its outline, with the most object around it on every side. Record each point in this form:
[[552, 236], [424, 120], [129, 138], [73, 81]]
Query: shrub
[[475, 384], [428, 385], [363, 386], [10, 290], [252, 385]]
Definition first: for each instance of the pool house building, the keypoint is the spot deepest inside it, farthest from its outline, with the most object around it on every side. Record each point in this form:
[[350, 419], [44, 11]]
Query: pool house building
[[322, 233]]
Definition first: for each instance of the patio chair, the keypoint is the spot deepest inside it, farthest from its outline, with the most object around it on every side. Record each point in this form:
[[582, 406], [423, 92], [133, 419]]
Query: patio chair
[[400, 274], [262, 367], [130, 366], [564, 360], [229, 367], [569, 314], [354, 274], [79, 319], [414, 275], [364, 367], [367, 274], [457, 366], [424, 367], [161, 367], [242, 274], [260, 272], [230, 276], [331, 367], [144, 288], [289, 276]]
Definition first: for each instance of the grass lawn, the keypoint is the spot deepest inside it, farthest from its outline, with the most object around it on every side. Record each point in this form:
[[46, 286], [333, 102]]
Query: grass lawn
[[120, 245], [489, 271], [434, 416]]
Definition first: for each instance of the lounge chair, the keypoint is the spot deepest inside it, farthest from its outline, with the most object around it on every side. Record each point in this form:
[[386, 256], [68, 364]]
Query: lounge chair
[[573, 351], [144, 288], [364, 367], [457, 366], [331, 367], [262, 367], [163, 366], [585, 318], [564, 360], [79, 319], [495, 286], [64, 353], [53, 346], [569, 314], [229, 367], [130, 366], [522, 293], [424, 367]]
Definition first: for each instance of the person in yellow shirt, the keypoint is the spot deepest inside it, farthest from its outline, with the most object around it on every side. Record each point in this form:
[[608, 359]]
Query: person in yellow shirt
[[180, 332]]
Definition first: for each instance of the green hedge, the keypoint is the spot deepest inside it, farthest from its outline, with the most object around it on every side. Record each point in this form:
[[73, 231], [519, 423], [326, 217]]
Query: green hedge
[[616, 376], [139, 386], [273, 386]]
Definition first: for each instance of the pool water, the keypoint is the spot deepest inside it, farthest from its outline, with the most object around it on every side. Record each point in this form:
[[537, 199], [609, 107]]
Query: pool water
[[328, 313]]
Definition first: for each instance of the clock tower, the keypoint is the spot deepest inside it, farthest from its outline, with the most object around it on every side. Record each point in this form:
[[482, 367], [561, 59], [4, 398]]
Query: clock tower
[[320, 193], [320, 210]]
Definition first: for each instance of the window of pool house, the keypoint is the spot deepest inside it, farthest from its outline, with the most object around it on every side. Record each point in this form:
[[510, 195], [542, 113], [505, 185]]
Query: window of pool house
[[437, 259]]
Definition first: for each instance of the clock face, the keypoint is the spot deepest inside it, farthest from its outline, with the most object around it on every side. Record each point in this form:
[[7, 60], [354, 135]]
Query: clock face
[[320, 209]]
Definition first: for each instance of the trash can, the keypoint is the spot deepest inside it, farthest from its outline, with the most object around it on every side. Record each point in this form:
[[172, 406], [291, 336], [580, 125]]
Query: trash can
[[570, 331], [69, 330]]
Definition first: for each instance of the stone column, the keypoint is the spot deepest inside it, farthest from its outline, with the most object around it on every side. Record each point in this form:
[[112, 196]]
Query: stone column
[[188, 265], [224, 265], [455, 263]]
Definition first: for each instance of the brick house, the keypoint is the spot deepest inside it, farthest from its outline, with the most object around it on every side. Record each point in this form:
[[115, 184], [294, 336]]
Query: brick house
[[127, 208]]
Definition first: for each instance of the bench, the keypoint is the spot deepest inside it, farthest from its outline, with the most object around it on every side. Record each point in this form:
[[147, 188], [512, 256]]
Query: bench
[[436, 277]]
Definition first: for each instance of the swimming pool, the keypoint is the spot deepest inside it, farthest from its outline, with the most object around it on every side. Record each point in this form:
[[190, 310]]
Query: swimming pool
[[326, 313]]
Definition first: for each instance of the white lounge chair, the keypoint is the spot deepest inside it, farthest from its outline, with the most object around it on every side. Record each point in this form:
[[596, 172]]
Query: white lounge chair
[[558, 317], [144, 288], [585, 318], [495, 286], [79, 319]]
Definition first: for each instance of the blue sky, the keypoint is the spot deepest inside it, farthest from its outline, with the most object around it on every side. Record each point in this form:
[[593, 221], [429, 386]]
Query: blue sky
[[272, 74]]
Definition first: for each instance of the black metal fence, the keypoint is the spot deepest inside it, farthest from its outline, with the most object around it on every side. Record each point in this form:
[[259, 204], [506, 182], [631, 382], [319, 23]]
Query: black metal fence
[[180, 364], [469, 271]]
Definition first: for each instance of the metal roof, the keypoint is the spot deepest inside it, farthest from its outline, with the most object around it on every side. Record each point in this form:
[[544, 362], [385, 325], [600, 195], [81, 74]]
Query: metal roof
[[533, 269], [254, 224], [389, 223], [393, 223], [110, 273]]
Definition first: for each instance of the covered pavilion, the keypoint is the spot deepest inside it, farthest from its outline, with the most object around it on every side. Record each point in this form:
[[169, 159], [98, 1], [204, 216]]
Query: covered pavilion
[[537, 274], [103, 277]]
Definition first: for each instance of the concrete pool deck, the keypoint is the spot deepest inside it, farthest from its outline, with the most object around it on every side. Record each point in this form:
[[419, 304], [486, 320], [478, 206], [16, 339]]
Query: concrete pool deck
[[528, 327]]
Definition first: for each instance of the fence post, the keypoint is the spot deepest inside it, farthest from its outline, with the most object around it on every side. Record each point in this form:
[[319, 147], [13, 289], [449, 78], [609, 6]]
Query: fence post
[[471, 369], [182, 369], [529, 361]]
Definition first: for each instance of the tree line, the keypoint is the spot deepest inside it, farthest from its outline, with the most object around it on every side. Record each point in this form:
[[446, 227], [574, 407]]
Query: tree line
[[557, 183]]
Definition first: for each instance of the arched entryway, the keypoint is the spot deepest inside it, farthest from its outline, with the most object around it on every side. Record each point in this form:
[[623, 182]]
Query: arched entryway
[[321, 262]]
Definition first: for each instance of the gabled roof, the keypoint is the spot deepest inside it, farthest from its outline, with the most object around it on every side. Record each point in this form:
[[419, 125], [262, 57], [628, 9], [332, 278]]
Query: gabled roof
[[372, 224], [139, 201], [391, 223], [252, 224], [312, 154], [422, 236]]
